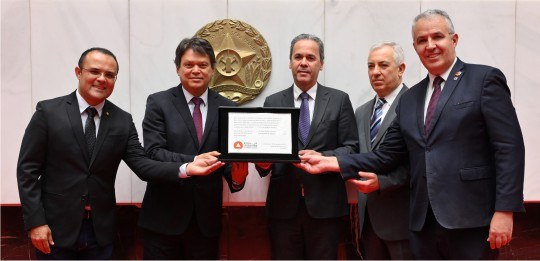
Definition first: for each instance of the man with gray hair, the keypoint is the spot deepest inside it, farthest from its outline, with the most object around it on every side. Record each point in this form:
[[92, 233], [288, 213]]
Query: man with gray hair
[[460, 132], [305, 211], [383, 198]]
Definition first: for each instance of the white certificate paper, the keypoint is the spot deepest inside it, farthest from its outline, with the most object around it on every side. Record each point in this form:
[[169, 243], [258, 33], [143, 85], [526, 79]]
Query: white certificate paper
[[260, 133]]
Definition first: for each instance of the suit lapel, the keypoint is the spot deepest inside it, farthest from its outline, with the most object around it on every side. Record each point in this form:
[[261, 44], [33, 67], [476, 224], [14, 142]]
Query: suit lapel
[[320, 108], [366, 116], [74, 115], [389, 118], [288, 99], [449, 87], [104, 123], [179, 102], [288, 102], [420, 101], [211, 114]]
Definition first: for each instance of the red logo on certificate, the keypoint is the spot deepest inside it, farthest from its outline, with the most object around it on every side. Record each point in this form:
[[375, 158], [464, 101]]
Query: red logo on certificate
[[238, 145]]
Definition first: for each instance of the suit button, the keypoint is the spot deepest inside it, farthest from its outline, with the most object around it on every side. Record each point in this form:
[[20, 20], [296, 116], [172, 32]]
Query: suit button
[[428, 149]]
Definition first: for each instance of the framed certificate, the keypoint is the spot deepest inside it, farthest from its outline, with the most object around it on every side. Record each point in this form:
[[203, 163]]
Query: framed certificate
[[258, 134]]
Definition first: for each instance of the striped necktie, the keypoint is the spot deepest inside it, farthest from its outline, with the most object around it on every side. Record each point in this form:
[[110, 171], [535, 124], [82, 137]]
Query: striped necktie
[[376, 119]]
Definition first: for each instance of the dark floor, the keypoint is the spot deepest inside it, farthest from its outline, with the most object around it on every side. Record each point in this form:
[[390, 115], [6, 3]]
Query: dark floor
[[244, 235]]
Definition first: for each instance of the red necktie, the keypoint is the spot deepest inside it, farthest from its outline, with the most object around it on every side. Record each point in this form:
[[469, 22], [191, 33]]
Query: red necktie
[[197, 117], [433, 103]]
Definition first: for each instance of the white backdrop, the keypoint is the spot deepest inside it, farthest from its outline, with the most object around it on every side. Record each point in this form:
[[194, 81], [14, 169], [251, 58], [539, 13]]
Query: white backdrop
[[41, 41]]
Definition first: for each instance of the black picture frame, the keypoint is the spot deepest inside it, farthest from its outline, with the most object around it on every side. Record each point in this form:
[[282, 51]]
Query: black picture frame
[[227, 156]]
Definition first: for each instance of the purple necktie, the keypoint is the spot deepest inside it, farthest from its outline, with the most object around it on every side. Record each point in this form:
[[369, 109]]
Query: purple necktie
[[197, 117], [304, 124], [433, 103]]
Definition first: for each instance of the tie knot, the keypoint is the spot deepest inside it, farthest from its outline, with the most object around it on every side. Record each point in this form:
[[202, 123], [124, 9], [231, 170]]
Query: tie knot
[[304, 96], [437, 82], [196, 100], [92, 112], [380, 102]]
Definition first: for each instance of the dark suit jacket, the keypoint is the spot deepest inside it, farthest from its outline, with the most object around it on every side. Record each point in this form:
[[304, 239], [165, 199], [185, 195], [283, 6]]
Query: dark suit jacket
[[333, 132], [472, 162], [55, 170], [169, 135], [388, 207]]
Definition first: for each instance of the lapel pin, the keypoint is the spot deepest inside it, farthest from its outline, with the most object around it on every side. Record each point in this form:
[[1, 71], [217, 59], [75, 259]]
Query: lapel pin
[[456, 75], [107, 113]]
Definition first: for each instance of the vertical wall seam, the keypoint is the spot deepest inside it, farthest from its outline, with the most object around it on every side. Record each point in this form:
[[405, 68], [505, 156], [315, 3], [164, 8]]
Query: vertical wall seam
[[514, 99], [31, 63], [129, 89], [412, 36], [324, 33]]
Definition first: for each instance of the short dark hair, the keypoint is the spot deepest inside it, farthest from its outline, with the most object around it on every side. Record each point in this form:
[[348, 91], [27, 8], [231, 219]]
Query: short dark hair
[[308, 37], [97, 49], [198, 45]]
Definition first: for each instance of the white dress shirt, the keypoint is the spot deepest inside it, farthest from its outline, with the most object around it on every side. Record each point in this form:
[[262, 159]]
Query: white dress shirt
[[204, 112], [430, 88], [312, 92]]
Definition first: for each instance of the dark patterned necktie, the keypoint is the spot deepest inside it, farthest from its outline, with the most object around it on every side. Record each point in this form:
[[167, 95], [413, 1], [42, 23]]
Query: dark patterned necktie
[[90, 129], [433, 103], [376, 119], [197, 117], [304, 124]]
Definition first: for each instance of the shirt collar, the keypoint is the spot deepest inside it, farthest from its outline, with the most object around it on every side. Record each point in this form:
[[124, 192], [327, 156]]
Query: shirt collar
[[392, 96], [444, 75], [312, 92], [203, 96], [83, 104]]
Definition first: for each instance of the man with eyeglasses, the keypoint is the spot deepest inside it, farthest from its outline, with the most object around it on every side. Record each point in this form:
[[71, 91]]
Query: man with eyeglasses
[[68, 161]]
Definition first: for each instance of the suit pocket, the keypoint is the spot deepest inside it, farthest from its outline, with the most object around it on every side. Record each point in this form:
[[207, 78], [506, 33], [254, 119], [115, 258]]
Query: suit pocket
[[328, 123], [462, 105], [51, 194], [475, 173]]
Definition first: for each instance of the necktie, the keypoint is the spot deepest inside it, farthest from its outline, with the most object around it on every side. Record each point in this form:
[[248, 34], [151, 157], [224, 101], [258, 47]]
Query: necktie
[[376, 119], [90, 129], [433, 103], [197, 117], [304, 124]]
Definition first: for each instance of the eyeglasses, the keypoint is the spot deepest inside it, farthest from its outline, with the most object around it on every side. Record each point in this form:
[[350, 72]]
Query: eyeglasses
[[97, 73]]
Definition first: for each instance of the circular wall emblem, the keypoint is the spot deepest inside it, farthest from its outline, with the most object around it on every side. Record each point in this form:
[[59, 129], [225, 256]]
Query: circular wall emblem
[[243, 59]]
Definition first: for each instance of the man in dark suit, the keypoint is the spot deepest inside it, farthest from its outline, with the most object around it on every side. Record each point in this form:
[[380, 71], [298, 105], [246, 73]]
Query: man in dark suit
[[182, 220], [465, 150], [306, 212], [383, 198], [66, 174]]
